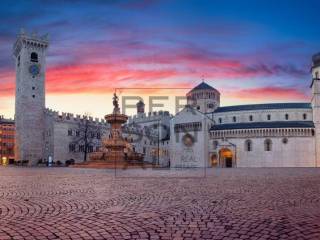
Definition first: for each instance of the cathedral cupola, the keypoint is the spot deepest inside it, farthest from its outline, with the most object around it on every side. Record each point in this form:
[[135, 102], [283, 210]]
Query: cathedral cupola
[[204, 98]]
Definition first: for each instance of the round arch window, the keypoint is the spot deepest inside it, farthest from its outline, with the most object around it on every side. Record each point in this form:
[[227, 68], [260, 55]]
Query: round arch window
[[34, 57], [248, 145], [268, 145]]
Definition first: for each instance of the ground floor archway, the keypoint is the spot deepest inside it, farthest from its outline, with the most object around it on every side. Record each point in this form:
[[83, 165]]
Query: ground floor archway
[[213, 161], [226, 158]]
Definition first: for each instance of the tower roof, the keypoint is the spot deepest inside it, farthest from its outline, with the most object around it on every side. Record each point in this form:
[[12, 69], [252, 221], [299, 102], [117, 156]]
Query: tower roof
[[202, 86], [140, 103]]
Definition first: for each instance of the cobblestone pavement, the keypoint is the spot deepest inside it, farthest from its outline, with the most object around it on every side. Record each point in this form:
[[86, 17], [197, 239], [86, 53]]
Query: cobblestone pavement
[[62, 203]]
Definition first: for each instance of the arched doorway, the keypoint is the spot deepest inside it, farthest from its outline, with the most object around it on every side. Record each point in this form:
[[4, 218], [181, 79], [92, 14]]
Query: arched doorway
[[226, 158], [213, 160]]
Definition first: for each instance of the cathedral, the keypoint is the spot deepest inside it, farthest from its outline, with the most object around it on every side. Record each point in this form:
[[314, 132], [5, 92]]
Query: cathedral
[[202, 134]]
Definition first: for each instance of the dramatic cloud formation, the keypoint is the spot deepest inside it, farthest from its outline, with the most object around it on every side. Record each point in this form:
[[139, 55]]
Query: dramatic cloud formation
[[249, 50], [270, 94]]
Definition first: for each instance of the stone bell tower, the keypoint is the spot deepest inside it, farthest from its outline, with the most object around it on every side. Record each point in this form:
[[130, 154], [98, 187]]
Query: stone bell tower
[[315, 85], [29, 52]]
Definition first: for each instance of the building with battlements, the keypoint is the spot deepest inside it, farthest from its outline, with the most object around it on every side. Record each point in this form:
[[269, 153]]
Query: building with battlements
[[44, 135], [203, 134]]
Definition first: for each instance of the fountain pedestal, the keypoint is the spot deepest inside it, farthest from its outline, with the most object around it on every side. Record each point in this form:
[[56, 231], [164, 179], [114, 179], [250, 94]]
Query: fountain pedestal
[[115, 144], [117, 152]]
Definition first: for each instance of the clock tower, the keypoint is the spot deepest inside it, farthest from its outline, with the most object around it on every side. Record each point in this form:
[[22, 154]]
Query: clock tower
[[29, 52]]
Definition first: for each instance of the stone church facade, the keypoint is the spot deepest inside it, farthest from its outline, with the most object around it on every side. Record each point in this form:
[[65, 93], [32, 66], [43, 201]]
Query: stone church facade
[[203, 134], [258, 135]]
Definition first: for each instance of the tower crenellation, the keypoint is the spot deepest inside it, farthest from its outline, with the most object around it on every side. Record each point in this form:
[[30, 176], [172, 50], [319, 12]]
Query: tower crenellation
[[70, 117], [150, 116]]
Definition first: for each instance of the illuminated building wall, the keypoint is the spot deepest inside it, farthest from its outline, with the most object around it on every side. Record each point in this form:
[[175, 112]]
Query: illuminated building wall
[[7, 133]]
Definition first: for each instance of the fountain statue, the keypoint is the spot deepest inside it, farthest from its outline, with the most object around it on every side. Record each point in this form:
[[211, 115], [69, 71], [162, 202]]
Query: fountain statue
[[117, 152]]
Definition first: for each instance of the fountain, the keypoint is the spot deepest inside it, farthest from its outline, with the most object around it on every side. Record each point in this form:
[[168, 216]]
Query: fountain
[[117, 152], [115, 144]]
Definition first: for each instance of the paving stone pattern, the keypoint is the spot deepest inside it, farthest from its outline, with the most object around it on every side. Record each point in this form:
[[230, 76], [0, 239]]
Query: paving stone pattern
[[66, 203]]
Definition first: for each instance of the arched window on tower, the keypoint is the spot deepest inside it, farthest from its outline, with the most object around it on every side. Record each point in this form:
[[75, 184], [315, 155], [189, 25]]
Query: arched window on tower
[[268, 145], [34, 57], [248, 145], [210, 105], [234, 119], [304, 116], [287, 116]]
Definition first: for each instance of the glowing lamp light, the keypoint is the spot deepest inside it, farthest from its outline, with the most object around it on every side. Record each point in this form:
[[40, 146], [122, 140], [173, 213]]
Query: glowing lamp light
[[4, 161]]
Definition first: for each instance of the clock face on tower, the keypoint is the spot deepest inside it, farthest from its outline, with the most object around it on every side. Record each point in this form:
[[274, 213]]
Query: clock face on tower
[[34, 69]]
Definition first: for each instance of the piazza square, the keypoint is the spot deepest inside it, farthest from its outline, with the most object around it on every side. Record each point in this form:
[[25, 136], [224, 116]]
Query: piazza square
[[159, 120], [239, 203]]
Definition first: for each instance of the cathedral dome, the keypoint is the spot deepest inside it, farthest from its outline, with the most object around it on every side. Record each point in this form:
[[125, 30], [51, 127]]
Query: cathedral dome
[[204, 98], [202, 86]]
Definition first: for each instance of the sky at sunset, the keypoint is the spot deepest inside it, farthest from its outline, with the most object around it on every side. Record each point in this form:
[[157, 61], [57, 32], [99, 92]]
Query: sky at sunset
[[251, 51]]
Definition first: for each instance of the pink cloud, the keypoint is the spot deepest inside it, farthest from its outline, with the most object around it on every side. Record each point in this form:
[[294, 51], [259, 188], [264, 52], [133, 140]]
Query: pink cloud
[[100, 67], [7, 89], [268, 93], [99, 78]]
